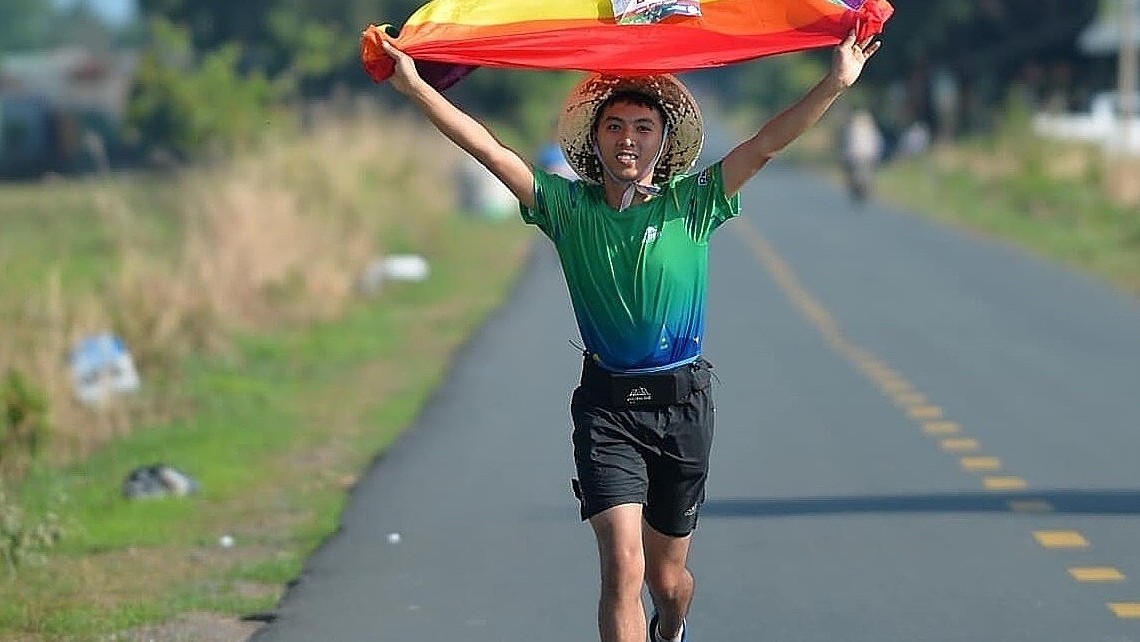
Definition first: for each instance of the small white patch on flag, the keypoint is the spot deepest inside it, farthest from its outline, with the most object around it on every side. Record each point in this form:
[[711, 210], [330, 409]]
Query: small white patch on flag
[[641, 12]]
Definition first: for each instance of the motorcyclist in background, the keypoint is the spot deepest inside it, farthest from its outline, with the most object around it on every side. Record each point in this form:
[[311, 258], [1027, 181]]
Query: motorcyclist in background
[[861, 147]]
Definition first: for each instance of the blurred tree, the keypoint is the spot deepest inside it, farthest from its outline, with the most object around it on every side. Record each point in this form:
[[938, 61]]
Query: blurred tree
[[26, 24], [212, 23], [764, 86], [976, 51], [79, 24], [523, 105], [305, 51], [309, 46], [42, 24], [307, 43], [197, 106]]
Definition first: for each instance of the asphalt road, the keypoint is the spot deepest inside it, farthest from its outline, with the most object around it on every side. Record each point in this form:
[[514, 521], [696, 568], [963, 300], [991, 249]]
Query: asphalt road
[[921, 435]]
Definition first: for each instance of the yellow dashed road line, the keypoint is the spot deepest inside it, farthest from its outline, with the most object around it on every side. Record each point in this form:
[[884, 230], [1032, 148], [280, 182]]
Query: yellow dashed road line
[[1060, 539], [895, 386], [1096, 574], [1004, 482], [981, 463], [910, 399], [918, 408], [1127, 610], [923, 413], [958, 445], [940, 428]]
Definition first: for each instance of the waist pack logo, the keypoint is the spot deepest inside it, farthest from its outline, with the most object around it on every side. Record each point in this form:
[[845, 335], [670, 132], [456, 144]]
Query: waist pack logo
[[639, 395]]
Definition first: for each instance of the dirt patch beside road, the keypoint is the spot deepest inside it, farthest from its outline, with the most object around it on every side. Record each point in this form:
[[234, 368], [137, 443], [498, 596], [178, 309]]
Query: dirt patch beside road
[[193, 627]]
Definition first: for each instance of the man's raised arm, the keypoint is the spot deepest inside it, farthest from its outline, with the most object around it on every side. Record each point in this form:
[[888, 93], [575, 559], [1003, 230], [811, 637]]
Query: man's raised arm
[[749, 157], [466, 132]]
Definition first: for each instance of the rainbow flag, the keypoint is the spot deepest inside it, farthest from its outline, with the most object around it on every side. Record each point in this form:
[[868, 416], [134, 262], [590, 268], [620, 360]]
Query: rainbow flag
[[449, 38]]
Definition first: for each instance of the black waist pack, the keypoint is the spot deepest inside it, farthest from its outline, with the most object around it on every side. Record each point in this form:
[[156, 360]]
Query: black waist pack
[[646, 390]]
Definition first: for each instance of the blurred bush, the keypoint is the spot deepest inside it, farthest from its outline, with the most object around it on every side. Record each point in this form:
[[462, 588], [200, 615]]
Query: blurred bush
[[197, 107], [23, 424]]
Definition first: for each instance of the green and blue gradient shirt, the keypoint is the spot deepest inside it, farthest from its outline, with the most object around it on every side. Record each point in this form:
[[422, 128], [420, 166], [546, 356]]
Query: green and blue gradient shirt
[[638, 279]]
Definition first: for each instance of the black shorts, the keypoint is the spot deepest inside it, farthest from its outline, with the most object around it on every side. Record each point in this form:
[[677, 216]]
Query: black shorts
[[655, 456]]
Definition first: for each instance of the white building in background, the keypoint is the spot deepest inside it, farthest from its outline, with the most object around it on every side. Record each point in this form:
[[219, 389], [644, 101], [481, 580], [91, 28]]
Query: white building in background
[[1103, 37], [1103, 124], [74, 78], [61, 109], [1109, 121]]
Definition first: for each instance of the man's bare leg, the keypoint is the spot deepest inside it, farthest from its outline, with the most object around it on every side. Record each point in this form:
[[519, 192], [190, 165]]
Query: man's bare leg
[[621, 617], [670, 582]]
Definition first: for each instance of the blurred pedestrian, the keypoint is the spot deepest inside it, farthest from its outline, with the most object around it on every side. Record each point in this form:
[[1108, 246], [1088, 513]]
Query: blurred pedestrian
[[915, 140], [862, 150]]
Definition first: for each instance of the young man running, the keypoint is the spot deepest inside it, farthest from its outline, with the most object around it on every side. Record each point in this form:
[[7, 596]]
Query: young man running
[[632, 237]]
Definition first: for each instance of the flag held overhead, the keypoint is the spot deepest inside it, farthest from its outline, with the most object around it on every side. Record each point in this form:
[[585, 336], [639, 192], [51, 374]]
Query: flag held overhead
[[449, 38]]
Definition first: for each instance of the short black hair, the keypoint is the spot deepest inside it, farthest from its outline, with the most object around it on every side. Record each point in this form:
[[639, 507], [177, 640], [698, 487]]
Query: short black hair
[[633, 97]]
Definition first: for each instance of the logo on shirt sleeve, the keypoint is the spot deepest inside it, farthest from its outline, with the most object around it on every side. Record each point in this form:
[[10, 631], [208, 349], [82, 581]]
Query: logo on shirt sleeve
[[703, 178]]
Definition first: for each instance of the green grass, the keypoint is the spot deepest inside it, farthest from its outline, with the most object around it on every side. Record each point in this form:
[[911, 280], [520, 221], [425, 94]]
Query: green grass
[[1070, 219], [276, 427], [61, 224], [35, 227]]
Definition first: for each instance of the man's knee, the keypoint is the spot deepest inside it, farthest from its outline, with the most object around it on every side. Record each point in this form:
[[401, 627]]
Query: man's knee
[[623, 568], [618, 533], [668, 581]]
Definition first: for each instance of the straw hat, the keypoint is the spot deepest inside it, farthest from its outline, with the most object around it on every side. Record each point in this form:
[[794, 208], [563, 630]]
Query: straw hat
[[686, 129]]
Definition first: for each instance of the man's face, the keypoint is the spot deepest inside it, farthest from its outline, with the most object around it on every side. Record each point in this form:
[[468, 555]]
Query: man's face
[[629, 137]]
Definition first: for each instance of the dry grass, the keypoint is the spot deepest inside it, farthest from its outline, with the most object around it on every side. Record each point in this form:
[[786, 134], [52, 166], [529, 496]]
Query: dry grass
[[948, 159], [1122, 181], [274, 239], [269, 241], [272, 508], [192, 627]]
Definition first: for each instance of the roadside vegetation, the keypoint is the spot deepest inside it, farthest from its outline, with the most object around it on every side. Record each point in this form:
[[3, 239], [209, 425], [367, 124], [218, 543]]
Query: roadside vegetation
[[267, 375], [1065, 201]]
